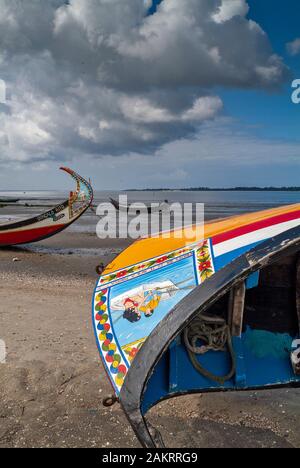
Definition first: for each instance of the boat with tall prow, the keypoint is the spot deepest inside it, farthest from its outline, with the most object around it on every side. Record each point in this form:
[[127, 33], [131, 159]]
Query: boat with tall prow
[[222, 314], [53, 221]]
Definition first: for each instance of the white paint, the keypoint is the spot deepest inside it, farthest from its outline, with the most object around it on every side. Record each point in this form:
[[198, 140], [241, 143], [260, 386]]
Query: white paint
[[296, 354], [2, 352], [252, 237], [2, 92], [296, 93]]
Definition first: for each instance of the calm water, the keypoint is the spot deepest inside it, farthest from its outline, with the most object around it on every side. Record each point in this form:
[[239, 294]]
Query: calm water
[[217, 204]]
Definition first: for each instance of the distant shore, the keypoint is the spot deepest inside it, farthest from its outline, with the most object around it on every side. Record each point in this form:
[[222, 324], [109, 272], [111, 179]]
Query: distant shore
[[209, 189]]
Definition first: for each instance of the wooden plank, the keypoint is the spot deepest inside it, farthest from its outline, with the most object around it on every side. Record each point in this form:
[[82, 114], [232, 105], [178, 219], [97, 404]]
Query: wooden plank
[[237, 306], [298, 291]]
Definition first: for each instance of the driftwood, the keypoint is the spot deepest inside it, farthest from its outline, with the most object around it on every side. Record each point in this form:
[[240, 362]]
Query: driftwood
[[236, 308]]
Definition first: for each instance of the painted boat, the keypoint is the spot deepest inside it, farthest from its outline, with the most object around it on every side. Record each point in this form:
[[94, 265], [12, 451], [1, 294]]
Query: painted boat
[[9, 200], [51, 222], [220, 314], [150, 209]]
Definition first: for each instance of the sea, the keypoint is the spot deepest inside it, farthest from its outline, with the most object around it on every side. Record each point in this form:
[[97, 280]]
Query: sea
[[217, 204]]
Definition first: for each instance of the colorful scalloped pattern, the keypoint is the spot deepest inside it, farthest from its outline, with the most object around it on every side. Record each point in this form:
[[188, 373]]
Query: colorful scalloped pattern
[[143, 266], [114, 361], [117, 365]]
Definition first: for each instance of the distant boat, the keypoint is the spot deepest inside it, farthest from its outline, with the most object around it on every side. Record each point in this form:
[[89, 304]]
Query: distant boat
[[150, 209], [9, 200], [51, 222]]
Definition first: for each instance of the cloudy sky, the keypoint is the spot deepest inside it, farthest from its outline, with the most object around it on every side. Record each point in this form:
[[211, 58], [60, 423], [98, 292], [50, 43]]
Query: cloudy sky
[[142, 93]]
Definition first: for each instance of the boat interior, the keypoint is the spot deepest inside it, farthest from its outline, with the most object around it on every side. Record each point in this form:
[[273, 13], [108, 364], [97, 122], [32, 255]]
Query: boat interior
[[262, 315], [269, 301]]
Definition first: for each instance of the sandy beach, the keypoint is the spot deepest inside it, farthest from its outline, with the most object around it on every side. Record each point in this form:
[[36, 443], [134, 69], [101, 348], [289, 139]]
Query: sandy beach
[[52, 383]]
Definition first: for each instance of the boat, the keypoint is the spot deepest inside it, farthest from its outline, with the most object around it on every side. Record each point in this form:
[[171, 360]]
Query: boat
[[51, 222], [139, 207], [9, 200], [220, 314]]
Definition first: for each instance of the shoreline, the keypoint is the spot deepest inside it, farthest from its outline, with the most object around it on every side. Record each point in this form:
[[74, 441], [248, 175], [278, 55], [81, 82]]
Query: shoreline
[[230, 189]]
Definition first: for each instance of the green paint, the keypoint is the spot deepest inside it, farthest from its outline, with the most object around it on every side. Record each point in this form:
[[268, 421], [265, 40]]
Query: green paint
[[262, 343]]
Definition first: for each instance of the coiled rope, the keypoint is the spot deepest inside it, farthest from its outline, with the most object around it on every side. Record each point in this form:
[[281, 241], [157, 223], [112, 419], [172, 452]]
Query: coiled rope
[[216, 336]]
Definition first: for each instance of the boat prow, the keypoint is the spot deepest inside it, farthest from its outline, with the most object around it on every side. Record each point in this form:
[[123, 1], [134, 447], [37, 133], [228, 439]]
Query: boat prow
[[51, 222], [228, 318]]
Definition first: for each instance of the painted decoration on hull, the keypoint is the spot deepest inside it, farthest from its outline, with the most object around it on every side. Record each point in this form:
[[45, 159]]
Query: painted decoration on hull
[[129, 304], [130, 301], [52, 221]]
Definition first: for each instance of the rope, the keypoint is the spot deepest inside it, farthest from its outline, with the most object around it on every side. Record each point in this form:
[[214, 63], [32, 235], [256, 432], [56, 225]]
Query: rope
[[215, 333]]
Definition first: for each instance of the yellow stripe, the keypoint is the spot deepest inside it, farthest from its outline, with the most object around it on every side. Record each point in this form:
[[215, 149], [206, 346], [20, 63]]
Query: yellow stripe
[[133, 345], [146, 249]]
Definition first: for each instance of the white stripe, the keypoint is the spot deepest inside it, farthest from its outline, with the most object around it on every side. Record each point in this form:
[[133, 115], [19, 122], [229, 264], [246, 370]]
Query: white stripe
[[252, 237]]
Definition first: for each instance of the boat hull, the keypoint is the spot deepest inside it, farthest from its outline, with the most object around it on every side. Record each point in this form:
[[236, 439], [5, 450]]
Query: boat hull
[[262, 351], [9, 200], [142, 345], [51, 222], [29, 236]]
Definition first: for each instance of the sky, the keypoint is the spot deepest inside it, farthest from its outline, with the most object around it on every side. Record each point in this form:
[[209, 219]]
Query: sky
[[143, 94]]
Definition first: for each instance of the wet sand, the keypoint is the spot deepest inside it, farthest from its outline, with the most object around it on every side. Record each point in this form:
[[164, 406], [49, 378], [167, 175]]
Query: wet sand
[[52, 383]]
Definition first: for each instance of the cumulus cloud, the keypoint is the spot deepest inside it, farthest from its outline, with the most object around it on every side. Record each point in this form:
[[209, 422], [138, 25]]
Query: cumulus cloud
[[204, 108], [229, 9], [2, 92], [294, 47], [224, 153], [102, 77]]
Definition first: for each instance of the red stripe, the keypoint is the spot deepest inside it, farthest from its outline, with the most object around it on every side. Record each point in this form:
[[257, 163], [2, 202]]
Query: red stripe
[[30, 235], [265, 223]]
